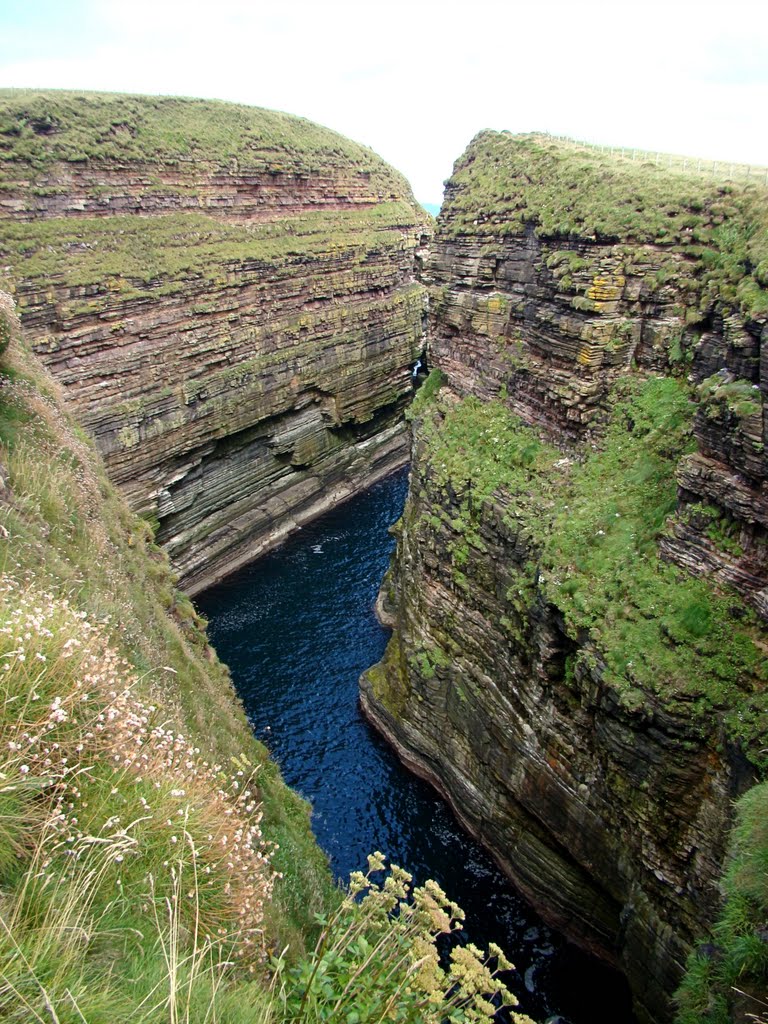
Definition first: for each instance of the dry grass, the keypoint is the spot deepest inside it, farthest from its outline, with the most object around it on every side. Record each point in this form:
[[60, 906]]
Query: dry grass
[[121, 839]]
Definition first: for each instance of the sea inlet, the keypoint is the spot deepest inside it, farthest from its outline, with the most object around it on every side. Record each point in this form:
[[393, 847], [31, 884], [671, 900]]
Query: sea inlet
[[297, 627]]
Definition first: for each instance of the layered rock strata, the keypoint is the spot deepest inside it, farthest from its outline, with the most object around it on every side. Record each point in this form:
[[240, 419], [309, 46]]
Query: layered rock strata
[[589, 710], [228, 296]]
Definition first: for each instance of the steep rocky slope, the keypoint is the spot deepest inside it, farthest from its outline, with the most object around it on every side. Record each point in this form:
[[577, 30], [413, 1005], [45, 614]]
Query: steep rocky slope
[[594, 425], [227, 295]]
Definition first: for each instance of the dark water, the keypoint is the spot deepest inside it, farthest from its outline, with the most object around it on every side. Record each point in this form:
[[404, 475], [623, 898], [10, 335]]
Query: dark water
[[297, 628]]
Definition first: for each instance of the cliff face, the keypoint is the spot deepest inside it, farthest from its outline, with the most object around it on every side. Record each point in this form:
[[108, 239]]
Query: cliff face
[[227, 295], [589, 710], [550, 277]]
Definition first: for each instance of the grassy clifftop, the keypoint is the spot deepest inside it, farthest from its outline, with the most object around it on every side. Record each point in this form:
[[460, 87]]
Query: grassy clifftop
[[505, 182], [41, 128], [204, 176]]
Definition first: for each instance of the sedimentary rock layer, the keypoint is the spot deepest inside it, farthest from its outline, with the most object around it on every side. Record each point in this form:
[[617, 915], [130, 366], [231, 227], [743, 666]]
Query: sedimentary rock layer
[[228, 296], [588, 708], [552, 275]]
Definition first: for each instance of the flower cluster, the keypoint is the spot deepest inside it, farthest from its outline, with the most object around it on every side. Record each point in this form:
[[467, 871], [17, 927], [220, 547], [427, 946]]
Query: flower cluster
[[96, 767], [377, 959]]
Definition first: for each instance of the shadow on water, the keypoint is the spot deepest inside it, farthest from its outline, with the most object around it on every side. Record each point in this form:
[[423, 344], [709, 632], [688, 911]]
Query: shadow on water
[[297, 628]]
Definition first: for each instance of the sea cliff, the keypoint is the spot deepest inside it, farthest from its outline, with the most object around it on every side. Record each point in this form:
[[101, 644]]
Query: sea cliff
[[227, 295], [578, 592]]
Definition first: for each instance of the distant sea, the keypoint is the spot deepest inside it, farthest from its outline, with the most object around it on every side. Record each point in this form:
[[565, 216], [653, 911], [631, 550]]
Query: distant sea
[[433, 208]]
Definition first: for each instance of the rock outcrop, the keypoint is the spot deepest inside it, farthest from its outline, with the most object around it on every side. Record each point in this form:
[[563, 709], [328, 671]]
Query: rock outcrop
[[227, 295], [589, 709]]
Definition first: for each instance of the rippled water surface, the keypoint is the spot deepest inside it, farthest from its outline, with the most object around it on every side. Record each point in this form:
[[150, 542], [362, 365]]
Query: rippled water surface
[[297, 628]]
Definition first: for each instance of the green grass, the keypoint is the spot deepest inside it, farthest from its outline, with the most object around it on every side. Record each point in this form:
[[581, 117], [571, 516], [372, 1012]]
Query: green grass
[[478, 447], [593, 526], [504, 183], [425, 394], [736, 959], [40, 129], [129, 255], [658, 630]]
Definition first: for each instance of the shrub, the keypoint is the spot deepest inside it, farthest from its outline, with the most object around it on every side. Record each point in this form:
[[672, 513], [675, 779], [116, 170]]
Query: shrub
[[377, 960]]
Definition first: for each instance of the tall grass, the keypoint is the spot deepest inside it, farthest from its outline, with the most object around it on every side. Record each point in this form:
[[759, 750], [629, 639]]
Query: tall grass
[[122, 844]]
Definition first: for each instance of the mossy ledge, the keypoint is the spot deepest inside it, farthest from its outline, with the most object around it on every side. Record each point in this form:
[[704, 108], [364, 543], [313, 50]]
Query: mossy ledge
[[227, 295], [579, 591]]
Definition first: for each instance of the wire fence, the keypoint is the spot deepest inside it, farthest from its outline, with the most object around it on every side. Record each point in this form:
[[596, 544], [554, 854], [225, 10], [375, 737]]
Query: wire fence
[[725, 170]]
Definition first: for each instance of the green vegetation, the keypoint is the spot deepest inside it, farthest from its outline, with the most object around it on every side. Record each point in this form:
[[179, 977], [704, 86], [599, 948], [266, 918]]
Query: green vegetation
[[657, 629], [721, 528], [504, 182], [120, 839], [593, 527], [128, 255], [739, 397], [40, 129], [477, 447], [426, 394], [7, 321], [429, 661], [364, 969], [730, 971]]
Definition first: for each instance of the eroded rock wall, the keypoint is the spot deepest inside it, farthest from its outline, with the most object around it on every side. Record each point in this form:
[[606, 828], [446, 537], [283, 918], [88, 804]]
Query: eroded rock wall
[[554, 313], [577, 698], [228, 296]]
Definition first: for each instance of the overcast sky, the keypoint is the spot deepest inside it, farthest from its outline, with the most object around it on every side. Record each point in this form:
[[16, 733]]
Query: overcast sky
[[415, 81]]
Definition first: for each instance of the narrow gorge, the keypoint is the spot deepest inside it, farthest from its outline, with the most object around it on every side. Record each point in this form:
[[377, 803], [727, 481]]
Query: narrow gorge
[[233, 302]]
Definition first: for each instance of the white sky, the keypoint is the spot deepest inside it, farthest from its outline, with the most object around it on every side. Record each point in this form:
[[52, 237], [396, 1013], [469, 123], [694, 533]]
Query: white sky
[[415, 81]]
